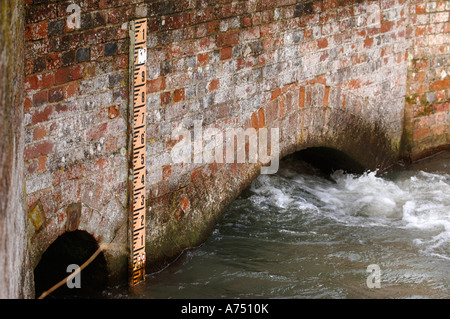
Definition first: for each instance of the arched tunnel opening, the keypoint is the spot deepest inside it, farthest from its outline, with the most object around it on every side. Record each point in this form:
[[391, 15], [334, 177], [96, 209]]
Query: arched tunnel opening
[[68, 251], [325, 160]]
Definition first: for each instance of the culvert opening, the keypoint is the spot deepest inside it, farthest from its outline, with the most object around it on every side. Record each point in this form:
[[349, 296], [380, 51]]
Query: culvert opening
[[71, 248], [324, 161]]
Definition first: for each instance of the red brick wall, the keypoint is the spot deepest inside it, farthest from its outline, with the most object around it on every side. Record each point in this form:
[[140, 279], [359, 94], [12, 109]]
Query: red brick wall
[[428, 96], [75, 118], [325, 73]]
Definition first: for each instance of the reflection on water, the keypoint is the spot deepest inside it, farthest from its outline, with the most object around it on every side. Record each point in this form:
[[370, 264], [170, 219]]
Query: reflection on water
[[294, 235]]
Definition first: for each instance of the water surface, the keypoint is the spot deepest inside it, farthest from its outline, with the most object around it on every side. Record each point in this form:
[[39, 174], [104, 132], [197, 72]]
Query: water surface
[[297, 235]]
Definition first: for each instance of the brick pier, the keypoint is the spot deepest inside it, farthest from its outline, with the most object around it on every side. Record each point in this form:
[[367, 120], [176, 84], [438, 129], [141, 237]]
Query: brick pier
[[369, 78]]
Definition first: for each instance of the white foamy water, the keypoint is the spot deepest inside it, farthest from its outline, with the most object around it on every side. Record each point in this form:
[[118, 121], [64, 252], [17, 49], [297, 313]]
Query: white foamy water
[[295, 235], [414, 200], [418, 202]]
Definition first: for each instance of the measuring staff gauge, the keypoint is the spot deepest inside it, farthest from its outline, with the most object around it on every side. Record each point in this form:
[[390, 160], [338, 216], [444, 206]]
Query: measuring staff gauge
[[138, 59]]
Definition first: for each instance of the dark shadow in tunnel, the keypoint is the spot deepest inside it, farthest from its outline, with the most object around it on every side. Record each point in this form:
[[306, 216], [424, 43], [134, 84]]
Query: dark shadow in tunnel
[[324, 161], [71, 248]]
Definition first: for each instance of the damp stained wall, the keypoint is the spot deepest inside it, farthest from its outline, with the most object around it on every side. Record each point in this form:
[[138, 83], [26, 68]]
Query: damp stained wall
[[366, 77]]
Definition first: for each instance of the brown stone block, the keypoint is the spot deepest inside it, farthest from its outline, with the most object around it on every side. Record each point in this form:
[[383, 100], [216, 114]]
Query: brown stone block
[[73, 212]]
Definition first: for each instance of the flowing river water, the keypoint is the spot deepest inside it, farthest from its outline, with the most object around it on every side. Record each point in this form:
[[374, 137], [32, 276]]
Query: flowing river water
[[299, 235]]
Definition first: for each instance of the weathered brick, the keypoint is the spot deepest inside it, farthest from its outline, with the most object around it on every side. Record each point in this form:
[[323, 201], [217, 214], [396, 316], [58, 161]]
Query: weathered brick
[[111, 49], [96, 132], [37, 149], [439, 129], [322, 43], [120, 62], [203, 59], [40, 81], [41, 115], [55, 95], [179, 95], [39, 133], [166, 98], [114, 80], [27, 104], [40, 98], [36, 31], [62, 76], [178, 21], [386, 26], [442, 107], [39, 64], [99, 19], [254, 120], [176, 110], [247, 21], [46, 80], [440, 84], [68, 74], [31, 82], [275, 93], [261, 118], [68, 58], [213, 85], [421, 8], [156, 85], [54, 61], [302, 97], [249, 34], [227, 39], [55, 28], [326, 96], [70, 90], [113, 112], [167, 170], [282, 106], [226, 53], [368, 43]]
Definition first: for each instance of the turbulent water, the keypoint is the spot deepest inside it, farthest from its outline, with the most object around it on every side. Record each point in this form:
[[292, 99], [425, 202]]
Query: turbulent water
[[296, 235]]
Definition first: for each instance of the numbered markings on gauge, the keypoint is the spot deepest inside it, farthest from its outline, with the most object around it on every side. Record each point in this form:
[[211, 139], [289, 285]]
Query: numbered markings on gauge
[[138, 89]]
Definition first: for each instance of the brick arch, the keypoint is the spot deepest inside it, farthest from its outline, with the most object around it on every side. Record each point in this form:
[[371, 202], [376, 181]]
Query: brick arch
[[99, 222], [307, 115], [301, 66], [72, 247], [327, 73]]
